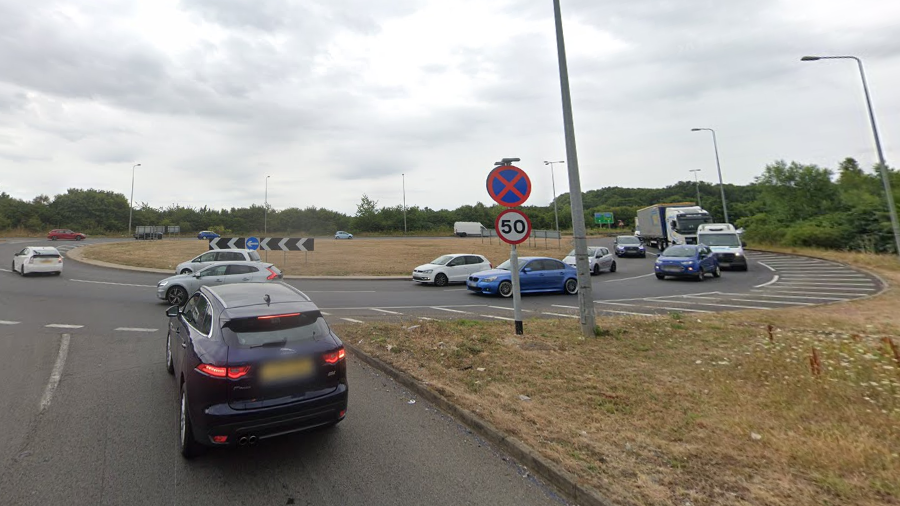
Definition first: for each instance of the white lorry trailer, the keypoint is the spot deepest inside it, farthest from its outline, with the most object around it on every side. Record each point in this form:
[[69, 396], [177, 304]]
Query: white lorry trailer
[[665, 224]]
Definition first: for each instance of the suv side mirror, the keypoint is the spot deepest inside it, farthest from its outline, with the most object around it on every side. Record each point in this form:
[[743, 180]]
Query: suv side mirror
[[173, 311], [196, 274]]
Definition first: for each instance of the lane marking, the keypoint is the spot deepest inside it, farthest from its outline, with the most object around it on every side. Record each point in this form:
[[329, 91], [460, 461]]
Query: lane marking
[[567, 307], [498, 317], [111, 283], [134, 329], [4, 322], [351, 320], [562, 315], [324, 313], [844, 296], [56, 373], [850, 285], [766, 266], [384, 311], [450, 310], [510, 309], [63, 326], [729, 299], [717, 305], [5, 270], [806, 286], [765, 294], [773, 280], [655, 307], [633, 277], [427, 319], [628, 313]]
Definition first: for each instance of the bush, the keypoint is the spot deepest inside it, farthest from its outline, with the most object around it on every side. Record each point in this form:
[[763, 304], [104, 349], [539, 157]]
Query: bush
[[815, 235]]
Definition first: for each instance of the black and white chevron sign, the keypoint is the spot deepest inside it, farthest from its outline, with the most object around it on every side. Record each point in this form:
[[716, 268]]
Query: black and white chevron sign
[[266, 243]]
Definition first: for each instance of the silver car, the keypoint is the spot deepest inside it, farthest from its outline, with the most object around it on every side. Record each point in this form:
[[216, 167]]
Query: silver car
[[220, 255], [176, 289], [600, 260]]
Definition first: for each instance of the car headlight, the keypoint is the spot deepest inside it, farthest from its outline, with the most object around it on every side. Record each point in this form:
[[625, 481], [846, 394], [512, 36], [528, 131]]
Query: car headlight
[[659, 262], [687, 263], [488, 280], [738, 254], [641, 247], [427, 271], [162, 283]]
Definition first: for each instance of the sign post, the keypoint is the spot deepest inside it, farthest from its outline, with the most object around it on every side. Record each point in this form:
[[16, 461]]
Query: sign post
[[509, 186]]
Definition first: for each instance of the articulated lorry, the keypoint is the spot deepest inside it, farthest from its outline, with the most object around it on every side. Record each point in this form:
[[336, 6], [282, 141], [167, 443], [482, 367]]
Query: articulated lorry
[[661, 225]]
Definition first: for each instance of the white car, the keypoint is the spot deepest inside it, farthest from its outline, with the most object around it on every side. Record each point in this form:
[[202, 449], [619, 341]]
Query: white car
[[600, 260], [220, 255], [34, 259], [453, 268], [340, 234]]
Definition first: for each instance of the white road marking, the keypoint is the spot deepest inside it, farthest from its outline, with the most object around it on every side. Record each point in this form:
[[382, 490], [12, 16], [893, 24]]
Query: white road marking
[[766, 266], [850, 284], [825, 286], [633, 277], [56, 373], [626, 312], [498, 317], [857, 277], [111, 283], [509, 309], [450, 310], [338, 291], [4, 322], [351, 320], [654, 307], [716, 305], [773, 280], [766, 294], [456, 289], [134, 329], [568, 307], [394, 307], [63, 326], [5, 270], [324, 313], [384, 311], [562, 315], [730, 299], [427, 319]]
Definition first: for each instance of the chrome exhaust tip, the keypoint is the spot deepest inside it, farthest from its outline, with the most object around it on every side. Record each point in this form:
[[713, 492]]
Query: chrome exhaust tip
[[252, 440], [242, 441]]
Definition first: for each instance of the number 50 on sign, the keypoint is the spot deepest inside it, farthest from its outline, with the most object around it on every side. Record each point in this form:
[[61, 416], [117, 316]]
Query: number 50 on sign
[[513, 226]]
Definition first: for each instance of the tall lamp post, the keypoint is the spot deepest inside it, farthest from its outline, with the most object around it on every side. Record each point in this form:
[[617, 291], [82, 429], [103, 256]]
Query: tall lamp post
[[719, 169], [131, 203], [404, 203], [553, 180], [697, 182], [885, 177], [266, 204]]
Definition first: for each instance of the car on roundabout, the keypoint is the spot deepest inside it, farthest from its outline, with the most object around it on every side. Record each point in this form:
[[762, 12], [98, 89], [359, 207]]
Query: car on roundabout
[[220, 255], [252, 362], [37, 259], [340, 234], [176, 289], [599, 257], [536, 274], [452, 268], [65, 233], [629, 245], [207, 234], [687, 261]]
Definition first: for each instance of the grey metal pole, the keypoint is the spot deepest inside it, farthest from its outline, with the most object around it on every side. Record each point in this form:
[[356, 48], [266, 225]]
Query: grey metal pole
[[131, 202], [885, 176], [585, 290], [719, 169], [404, 203], [697, 183], [266, 215]]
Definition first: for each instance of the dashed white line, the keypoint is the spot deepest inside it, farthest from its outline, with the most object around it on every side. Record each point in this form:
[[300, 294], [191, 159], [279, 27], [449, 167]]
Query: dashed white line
[[766, 294], [498, 317], [772, 281], [732, 299], [338, 291], [384, 311], [111, 283], [562, 315], [450, 310], [716, 305], [351, 320], [56, 373], [63, 326], [626, 279], [654, 307], [5, 322], [134, 329], [509, 309], [628, 313]]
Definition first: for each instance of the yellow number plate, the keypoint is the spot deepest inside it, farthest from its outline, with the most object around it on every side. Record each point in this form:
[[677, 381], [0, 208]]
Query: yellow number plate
[[277, 371]]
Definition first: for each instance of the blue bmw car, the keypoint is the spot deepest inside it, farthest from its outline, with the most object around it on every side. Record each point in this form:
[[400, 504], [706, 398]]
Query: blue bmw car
[[687, 261], [536, 274]]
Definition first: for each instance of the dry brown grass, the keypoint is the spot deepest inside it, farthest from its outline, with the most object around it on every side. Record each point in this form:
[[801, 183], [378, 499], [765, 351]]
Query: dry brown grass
[[365, 257], [664, 410]]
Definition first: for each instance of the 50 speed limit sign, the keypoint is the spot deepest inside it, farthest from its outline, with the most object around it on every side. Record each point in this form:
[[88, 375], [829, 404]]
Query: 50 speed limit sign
[[513, 226]]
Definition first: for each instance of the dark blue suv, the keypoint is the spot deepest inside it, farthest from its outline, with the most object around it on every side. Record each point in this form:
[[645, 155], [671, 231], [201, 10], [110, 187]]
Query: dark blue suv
[[687, 261], [253, 361]]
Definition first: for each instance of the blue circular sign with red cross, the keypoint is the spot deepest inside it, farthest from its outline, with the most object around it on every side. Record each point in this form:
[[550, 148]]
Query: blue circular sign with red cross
[[509, 185]]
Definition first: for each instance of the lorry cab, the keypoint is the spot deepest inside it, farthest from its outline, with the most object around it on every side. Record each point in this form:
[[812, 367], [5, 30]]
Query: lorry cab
[[725, 243]]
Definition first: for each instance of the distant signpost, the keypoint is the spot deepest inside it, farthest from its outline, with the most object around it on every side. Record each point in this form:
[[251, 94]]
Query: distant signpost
[[604, 219]]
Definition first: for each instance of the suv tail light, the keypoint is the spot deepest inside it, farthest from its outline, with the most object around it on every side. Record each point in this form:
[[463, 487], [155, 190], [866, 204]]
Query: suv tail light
[[223, 372], [334, 356], [273, 274]]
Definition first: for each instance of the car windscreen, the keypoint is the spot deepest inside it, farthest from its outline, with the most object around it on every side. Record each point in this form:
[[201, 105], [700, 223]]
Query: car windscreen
[[720, 240], [680, 252], [47, 254], [441, 260], [628, 240], [278, 329], [504, 266]]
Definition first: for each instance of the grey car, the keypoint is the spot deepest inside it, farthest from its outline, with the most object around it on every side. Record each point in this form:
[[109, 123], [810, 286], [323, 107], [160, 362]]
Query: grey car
[[176, 289], [224, 255]]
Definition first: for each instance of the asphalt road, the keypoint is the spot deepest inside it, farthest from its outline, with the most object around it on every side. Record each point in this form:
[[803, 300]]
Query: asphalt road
[[107, 432]]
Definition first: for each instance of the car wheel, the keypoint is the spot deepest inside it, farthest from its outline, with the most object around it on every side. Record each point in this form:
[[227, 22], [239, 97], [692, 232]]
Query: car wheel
[[176, 296], [78, 238], [596, 270], [186, 271], [12, 267], [717, 273], [189, 446], [170, 366], [57, 273], [505, 289], [701, 276], [612, 268], [660, 276], [571, 286], [53, 238], [441, 280], [463, 234], [22, 270]]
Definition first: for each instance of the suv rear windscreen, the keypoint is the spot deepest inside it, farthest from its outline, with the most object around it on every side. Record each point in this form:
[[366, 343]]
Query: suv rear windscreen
[[275, 330], [255, 256]]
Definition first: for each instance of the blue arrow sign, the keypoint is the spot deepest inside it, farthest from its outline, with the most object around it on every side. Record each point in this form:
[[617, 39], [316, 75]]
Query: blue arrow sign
[[252, 243]]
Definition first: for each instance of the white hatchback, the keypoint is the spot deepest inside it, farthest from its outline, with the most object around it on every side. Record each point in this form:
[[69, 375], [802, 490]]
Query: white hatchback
[[600, 260], [453, 268], [38, 259]]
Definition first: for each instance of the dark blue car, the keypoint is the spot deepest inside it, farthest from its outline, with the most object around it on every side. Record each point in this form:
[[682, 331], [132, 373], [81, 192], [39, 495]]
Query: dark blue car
[[207, 234], [253, 361], [536, 274], [687, 261]]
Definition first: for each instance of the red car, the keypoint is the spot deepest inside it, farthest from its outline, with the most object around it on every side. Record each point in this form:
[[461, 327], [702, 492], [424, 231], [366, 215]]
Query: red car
[[64, 233]]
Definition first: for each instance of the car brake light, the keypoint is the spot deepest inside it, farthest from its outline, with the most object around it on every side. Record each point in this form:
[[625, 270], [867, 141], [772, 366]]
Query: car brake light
[[220, 439], [223, 372], [335, 356], [273, 275], [60, 260], [277, 316]]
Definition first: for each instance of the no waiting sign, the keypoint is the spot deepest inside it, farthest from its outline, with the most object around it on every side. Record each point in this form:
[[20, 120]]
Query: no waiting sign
[[509, 185], [512, 226]]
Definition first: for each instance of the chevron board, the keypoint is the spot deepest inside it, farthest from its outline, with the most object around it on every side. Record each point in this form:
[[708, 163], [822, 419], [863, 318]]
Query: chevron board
[[266, 243]]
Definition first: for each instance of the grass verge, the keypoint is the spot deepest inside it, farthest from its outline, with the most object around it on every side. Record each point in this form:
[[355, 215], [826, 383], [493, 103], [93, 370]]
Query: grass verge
[[795, 406]]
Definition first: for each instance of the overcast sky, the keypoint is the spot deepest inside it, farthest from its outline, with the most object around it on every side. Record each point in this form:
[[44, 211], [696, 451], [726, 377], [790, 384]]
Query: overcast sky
[[336, 98]]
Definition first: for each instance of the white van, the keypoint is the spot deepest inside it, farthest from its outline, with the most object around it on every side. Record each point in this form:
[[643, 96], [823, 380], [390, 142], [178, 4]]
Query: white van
[[469, 228], [725, 243]]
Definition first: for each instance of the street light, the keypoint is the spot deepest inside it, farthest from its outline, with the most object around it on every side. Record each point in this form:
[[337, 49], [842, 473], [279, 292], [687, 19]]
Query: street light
[[266, 203], [404, 203], [131, 204], [553, 180], [885, 178], [718, 168], [697, 182]]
